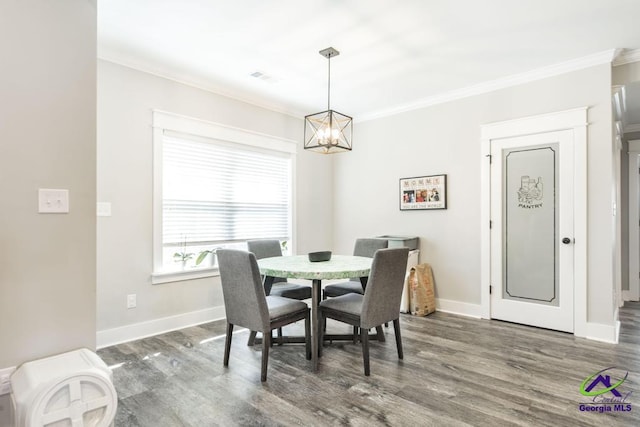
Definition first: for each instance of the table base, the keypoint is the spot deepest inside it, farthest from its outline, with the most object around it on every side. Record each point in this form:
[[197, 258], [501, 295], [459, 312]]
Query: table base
[[327, 337]]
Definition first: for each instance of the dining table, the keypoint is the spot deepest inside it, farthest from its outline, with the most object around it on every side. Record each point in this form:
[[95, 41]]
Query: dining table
[[300, 267]]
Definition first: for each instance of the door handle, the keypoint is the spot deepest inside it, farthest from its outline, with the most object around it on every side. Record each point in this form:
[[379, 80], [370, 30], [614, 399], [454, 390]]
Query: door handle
[[566, 240]]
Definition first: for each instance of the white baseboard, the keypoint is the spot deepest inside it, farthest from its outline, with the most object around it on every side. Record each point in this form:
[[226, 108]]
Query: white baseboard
[[604, 333], [458, 307], [5, 380], [595, 331], [108, 337]]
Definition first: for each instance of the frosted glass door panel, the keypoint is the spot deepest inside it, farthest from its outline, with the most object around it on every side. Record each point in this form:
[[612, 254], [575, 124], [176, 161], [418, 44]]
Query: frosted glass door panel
[[530, 219]]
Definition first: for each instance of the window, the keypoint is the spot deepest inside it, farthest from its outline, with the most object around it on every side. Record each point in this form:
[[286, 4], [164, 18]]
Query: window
[[215, 187]]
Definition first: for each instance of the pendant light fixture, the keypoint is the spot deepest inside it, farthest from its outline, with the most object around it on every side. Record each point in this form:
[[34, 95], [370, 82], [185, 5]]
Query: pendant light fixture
[[329, 131]]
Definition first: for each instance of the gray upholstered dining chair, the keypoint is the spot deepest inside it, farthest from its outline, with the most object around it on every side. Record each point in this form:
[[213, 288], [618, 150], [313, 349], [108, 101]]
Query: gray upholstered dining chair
[[267, 248], [247, 305], [379, 304], [363, 247]]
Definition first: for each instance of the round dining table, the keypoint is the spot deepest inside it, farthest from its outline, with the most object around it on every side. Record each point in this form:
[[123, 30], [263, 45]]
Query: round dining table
[[299, 267]]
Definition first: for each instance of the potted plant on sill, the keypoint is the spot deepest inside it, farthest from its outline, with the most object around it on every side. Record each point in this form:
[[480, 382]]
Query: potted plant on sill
[[203, 254], [183, 256]]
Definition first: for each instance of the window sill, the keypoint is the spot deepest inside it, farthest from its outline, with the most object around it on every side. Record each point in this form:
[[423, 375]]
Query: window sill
[[179, 276]]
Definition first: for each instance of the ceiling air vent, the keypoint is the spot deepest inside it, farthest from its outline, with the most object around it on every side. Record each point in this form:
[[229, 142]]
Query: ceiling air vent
[[262, 76]]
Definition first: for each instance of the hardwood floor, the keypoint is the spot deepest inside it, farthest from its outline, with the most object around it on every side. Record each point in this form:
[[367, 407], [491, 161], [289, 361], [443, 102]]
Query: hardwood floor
[[456, 371]]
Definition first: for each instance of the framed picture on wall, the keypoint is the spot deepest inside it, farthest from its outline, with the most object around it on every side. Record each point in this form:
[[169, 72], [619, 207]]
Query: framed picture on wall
[[423, 192]]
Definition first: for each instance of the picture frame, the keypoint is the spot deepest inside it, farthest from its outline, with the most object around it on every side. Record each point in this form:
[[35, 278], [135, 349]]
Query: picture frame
[[423, 192]]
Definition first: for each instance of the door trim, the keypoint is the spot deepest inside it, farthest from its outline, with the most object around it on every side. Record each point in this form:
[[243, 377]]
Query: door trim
[[576, 121]]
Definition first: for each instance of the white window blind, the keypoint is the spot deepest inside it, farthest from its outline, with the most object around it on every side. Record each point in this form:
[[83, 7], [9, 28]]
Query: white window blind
[[215, 193]]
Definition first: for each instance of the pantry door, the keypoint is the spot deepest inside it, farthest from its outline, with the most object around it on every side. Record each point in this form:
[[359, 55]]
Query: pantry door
[[532, 230]]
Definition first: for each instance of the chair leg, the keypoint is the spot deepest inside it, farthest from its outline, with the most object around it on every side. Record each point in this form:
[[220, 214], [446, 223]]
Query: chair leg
[[252, 338], [364, 338], [307, 336], [380, 332], [396, 328], [324, 322], [320, 337], [266, 343], [280, 340], [227, 344], [355, 335]]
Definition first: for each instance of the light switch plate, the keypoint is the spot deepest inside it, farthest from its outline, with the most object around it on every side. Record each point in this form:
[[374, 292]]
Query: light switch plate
[[103, 209], [53, 200]]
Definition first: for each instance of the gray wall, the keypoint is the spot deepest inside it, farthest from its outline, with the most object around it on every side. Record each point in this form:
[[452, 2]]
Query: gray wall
[[622, 75], [446, 139], [627, 73], [125, 100], [47, 128]]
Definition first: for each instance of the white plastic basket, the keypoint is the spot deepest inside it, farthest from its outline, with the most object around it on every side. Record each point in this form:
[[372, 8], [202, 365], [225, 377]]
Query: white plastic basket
[[73, 389]]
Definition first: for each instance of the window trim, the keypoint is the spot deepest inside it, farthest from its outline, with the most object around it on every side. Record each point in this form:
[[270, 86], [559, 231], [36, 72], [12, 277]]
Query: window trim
[[164, 121]]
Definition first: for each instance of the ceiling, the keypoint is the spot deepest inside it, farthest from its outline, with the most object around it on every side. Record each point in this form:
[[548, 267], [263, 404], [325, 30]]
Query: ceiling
[[393, 55]]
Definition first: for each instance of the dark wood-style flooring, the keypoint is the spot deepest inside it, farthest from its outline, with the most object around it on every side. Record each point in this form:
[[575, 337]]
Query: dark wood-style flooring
[[456, 371]]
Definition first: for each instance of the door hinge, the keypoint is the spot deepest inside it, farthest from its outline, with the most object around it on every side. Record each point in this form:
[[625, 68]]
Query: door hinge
[[489, 156], [490, 224], [490, 289]]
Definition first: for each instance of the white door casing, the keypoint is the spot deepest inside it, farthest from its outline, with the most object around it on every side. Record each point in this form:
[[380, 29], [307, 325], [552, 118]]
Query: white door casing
[[575, 123]]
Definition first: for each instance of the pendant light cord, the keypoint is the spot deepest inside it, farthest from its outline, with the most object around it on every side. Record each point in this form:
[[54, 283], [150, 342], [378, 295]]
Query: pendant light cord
[[329, 85]]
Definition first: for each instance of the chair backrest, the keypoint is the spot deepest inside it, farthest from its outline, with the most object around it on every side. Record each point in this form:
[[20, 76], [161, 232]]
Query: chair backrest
[[382, 296], [367, 248], [244, 300], [266, 248]]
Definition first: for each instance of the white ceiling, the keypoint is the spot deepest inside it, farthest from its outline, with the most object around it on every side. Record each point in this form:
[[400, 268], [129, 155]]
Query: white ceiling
[[394, 54]]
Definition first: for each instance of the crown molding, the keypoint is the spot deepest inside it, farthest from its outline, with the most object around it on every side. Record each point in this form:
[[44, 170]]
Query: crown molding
[[615, 56], [605, 57], [627, 56], [202, 85]]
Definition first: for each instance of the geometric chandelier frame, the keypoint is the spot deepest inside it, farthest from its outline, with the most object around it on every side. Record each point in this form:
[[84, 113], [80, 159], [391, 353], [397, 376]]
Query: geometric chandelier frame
[[329, 131]]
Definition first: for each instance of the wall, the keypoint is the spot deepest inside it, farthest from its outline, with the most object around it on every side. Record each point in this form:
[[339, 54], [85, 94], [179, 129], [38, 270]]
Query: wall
[[48, 124], [626, 73], [446, 139], [623, 75], [624, 204], [124, 247]]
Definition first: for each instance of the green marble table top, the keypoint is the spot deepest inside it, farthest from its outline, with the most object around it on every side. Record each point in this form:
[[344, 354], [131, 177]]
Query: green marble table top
[[299, 267]]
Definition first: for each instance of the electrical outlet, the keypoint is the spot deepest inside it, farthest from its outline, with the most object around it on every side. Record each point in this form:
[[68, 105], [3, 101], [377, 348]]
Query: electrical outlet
[[5, 380], [131, 301]]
